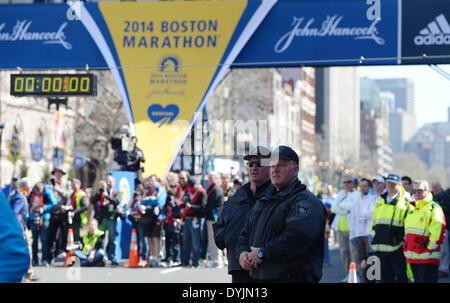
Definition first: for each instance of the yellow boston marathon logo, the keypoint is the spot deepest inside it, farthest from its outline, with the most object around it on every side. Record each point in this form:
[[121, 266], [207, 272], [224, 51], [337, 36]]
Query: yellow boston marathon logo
[[175, 34], [169, 52]]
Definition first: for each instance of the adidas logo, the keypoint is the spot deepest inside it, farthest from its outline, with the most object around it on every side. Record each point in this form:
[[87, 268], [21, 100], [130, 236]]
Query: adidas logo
[[437, 32]]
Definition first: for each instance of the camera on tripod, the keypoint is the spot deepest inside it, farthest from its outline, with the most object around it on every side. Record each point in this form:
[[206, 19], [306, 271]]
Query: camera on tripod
[[123, 147], [127, 155]]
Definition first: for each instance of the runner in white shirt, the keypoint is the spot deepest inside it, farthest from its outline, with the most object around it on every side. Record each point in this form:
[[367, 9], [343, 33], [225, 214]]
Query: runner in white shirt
[[359, 224]]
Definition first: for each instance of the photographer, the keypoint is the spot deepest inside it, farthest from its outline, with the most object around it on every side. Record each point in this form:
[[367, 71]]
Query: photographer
[[39, 220], [172, 229], [127, 155], [95, 200], [58, 218], [107, 213], [134, 214], [75, 210], [92, 253], [154, 204], [193, 204]]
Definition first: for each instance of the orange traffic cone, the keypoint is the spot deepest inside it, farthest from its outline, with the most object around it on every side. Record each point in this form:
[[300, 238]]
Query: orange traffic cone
[[352, 273], [70, 258], [134, 254]]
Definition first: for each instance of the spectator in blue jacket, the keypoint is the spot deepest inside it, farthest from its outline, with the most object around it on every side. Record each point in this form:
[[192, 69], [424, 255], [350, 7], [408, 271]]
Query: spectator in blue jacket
[[154, 204], [41, 201], [9, 187], [20, 208], [14, 256], [19, 205]]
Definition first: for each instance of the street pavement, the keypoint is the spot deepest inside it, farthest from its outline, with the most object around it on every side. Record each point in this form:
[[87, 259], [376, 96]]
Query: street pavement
[[119, 274]]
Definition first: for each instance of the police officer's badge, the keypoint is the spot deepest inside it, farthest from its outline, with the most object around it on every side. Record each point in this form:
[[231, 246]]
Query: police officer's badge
[[303, 210]]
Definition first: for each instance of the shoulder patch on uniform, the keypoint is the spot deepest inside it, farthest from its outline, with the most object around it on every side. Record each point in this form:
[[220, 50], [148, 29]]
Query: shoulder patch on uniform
[[303, 209]]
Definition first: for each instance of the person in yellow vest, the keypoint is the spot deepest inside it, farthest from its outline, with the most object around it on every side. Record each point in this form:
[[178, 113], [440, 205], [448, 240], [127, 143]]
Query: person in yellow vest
[[425, 230], [92, 253], [75, 208], [342, 207], [388, 230]]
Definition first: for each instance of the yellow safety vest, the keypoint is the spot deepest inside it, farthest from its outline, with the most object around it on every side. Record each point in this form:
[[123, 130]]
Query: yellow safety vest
[[80, 196], [388, 222], [89, 241], [424, 232]]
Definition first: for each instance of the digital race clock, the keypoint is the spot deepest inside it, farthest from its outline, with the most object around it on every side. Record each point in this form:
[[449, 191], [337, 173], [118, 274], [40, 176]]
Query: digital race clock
[[53, 84]]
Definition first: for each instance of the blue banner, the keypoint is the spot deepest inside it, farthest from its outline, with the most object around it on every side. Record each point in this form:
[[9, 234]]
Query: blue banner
[[37, 151], [425, 30], [323, 32], [294, 33], [45, 36], [79, 157]]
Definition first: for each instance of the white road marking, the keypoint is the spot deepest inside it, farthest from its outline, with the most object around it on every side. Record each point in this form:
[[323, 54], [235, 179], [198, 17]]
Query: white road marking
[[166, 271]]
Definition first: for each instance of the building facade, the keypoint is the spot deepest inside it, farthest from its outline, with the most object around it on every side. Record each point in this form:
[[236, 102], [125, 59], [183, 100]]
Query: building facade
[[29, 120], [402, 119], [403, 90], [280, 102], [432, 144], [338, 118], [375, 127]]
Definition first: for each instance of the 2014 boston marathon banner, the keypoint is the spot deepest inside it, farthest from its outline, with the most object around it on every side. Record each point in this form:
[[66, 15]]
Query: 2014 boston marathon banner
[[167, 57]]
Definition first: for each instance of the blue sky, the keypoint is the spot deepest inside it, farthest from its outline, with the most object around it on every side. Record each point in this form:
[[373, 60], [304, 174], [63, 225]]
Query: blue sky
[[432, 91]]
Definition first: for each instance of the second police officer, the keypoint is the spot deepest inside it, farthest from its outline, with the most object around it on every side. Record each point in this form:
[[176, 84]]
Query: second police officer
[[236, 210], [283, 240]]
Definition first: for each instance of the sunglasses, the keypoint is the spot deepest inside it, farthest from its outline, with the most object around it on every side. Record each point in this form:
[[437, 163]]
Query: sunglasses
[[418, 191], [346, 182], [251, 163]]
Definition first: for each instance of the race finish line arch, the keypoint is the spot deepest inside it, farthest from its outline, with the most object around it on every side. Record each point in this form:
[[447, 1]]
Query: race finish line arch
[[168, 57]]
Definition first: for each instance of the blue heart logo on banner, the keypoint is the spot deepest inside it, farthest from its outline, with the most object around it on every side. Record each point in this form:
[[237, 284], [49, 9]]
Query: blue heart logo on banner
[[157, 113]]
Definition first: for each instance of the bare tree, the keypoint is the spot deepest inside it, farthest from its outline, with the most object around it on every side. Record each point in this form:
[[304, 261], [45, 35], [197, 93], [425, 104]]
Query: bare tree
[[402, 164], [367, 163], [98, 120], [250, 90]]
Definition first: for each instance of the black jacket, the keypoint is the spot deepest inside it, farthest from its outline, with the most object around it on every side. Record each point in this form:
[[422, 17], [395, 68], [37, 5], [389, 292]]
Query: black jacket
[[289, 225], [443, 199], [233, 218], [107, 211], [215, 201]]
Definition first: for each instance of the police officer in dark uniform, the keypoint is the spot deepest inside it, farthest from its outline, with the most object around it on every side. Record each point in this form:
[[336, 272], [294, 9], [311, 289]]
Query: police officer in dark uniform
[[283, 240], [236, 210]]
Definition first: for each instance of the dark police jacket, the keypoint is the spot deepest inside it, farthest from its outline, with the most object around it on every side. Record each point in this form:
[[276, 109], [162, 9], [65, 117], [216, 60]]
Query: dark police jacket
[[290, 226], [233, 218], [214, 202]]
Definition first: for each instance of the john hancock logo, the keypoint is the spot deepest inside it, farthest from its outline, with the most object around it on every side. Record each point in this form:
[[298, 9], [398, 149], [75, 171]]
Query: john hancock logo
[[159, 114], [168, 79]]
